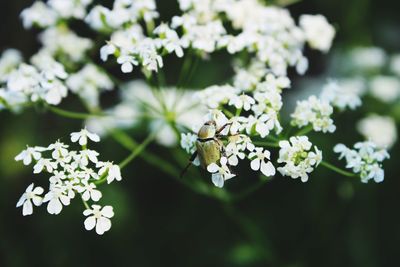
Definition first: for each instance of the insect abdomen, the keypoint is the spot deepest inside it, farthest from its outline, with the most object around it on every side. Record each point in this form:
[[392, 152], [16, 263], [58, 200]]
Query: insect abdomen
[[209, 152]]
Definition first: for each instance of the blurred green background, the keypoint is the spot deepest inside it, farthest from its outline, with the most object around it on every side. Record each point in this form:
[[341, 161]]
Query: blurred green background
[[329, 221]]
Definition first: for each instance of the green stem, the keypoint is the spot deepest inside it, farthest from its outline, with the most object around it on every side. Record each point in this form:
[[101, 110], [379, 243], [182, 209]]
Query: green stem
[[192, 70], [238, 111], [336, 169], [304, 130], [187, 62], [138, 149], [73, 115], [273, 138], [228, 113], [85, 203], [127, 142], [268, 144]]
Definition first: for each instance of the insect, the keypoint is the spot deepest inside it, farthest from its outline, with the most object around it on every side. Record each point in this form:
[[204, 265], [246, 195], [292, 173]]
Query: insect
[[209, 146]]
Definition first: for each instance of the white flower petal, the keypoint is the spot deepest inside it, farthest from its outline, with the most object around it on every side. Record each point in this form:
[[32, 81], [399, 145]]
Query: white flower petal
[[27, 208], [90, 223]]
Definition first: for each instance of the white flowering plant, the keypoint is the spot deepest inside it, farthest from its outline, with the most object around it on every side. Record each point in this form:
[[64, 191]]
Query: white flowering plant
[[220, 126]]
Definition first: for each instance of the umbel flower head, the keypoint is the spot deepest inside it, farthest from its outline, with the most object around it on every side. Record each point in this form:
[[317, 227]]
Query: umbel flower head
[[364, 159], [71, 173], [298, 157]]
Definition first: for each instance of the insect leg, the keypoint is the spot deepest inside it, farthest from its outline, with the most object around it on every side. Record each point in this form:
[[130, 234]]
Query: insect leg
[[192, 157], [223, 128]]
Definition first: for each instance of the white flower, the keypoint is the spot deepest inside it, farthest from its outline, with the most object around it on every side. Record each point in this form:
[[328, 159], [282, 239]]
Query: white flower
[[107, 50], [83, 135], [9, 60], [38, 14], [85, 156], [188, 142], [62, 40], [342, 96], [242, 101], [89, 191], [59, 150], [364, 159], [100, 218], [56, 198], [113, 171], [151, 60], [88, 83], [29, 154], [379, 129], [315, 112], [318, 32], [263, 125], [127, 62], [67, 9], [170, 39], [220, 173], [260, 161], [298, 158], [234, 153], [31, 195], [44, 164]]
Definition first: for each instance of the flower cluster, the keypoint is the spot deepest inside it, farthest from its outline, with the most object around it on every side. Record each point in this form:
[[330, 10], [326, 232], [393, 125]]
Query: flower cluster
[[343, 94], [48, 14], [298, 157], [41, 81], [88, 83], [63, 44], [71, 173], [269, 32], [315, 112], [371, 74], [364, 159]]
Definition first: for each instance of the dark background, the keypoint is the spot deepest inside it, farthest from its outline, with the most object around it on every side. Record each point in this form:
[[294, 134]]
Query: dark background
[[329, 221]]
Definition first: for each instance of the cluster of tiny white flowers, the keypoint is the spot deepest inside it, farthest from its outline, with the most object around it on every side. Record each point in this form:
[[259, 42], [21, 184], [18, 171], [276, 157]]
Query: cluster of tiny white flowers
[[44, 15], [315, 112], [124, 12], [88, 83], [44, 80], [319, 33], [260, 103], [71, 173], [298, 157], [61, 42], [379, 129], [364, 159], [268, 31], [341, 96]]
